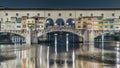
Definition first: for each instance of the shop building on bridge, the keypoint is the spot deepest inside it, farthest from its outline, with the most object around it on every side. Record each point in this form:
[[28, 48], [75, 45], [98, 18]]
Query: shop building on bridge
[[92, 19]]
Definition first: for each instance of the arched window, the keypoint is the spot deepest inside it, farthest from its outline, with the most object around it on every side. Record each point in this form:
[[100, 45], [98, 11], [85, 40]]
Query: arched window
[[60, 22], [49, 22], [70, 22]]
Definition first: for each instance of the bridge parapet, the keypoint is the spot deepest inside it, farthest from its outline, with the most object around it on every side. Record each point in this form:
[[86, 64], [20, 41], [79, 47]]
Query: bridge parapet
[[19, 32], [99, 32]]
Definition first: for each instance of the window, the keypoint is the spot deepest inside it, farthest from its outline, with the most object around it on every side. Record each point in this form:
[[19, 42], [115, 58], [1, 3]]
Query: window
[[100, 26], [49, 14], [70, 14], [32, 21], [113, 14], [59, 14], [17, 14], [111, 22], [79, 27], [27, 14], [102, 15], [106, 22], [18, 26], [100, 23], [24, 26], [89, 18], [111, 26], [80, 14], [79, 18], [91, 14], [38, 14], [6, 14], [106, 26]]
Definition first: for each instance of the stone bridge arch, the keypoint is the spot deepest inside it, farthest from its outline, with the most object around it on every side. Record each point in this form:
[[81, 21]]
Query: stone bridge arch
[[79, 33], [99, 33], [24, 34]]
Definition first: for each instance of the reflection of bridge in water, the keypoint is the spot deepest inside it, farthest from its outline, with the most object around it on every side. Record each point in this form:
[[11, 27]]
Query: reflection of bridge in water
[[46, 55]]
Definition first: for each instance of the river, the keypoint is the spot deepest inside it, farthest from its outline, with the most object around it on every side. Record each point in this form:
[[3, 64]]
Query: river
[[44, 56]]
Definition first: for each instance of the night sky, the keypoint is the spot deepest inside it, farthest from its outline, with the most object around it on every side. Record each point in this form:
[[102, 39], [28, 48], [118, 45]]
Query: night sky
[[60, 3]]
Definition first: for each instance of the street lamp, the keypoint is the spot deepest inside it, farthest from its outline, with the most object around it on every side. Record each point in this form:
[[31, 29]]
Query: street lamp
[[67, 24], [47, 23], [73, 23]]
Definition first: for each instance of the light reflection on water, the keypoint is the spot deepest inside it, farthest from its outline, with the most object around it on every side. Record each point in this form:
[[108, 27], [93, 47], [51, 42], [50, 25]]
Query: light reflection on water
[[43, 56]]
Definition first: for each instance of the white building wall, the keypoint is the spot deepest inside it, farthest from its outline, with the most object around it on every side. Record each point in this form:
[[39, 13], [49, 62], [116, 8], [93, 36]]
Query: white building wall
[[12, 13], [55, 13], [117, 13], [64, 14]]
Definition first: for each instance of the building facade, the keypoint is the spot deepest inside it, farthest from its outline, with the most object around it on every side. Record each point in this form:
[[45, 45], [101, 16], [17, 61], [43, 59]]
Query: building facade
[[91, 19]]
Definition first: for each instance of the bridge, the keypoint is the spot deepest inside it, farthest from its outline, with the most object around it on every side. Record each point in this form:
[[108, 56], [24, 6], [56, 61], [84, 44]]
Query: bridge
[[32, 35], [25, 34]]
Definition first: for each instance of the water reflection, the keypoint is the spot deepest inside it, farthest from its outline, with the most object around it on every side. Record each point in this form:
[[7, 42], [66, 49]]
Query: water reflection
[[43, 56]]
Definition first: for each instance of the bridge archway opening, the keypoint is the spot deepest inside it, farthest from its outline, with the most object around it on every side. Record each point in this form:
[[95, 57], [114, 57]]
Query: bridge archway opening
[[62, 38], [49, 22], [70, 22], [11, 38], [109, 41], [59, 22]]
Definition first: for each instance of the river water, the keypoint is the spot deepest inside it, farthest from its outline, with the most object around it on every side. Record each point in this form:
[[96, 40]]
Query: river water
[[44, 56]]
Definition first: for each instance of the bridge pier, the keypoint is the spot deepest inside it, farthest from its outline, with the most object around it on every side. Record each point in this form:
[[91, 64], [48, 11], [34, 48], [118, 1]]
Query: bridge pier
[[88, 38], [85, 37], [34, 38], [91, 41], [28, 38]]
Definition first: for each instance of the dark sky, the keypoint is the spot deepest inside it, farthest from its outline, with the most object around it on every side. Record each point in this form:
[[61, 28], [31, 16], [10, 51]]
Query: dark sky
[[60, 3]]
